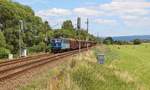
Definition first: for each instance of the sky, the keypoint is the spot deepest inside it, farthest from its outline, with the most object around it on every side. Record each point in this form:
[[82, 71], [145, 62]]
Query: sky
[[106, 17]]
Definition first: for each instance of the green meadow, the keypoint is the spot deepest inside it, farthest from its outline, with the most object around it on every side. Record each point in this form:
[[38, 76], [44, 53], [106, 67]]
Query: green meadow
[[135, 60], [126, 67]]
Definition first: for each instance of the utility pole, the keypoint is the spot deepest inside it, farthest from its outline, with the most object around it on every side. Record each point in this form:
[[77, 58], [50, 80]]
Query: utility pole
[[21, 28], [87, 25], [46, 39], [79, 28], [87, 38], [78, 23]]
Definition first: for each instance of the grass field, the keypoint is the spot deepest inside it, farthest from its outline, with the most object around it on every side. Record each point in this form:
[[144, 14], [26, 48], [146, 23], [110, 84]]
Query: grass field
[[136, 61], [127, 67]]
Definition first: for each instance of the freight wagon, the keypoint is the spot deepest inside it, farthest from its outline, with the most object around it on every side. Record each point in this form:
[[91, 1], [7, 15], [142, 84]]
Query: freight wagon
[[65, 44]]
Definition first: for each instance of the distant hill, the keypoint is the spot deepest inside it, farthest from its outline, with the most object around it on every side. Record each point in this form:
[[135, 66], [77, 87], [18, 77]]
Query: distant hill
[[130, 38]]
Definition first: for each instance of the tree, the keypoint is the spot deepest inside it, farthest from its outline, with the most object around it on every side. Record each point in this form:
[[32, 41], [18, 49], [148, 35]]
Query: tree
[[137, 41], [2, 40], [108, 40], [47, 26], [33, 30], [67, 25], [4, 52]]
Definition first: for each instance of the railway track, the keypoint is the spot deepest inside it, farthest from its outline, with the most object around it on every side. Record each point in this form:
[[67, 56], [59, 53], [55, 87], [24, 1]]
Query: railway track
[[20, 60], [12, 68]]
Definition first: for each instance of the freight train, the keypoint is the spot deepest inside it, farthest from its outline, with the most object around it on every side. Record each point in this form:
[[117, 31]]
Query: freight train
[[65, 44]]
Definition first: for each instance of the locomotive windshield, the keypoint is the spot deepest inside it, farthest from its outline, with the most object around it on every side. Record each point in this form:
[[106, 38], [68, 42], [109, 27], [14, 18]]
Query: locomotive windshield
[[56, 42]]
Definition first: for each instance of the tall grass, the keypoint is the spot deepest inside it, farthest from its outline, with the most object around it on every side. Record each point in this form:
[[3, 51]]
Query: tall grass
[[92, 76]]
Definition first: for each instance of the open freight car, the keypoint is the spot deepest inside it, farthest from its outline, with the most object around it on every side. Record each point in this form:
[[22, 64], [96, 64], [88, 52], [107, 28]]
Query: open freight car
[[65, 44]]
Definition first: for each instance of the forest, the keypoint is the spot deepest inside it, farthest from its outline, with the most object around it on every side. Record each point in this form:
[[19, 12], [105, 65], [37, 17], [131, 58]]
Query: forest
[[35, 30]]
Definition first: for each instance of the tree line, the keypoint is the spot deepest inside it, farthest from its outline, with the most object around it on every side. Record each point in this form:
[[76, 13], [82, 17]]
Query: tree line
[[35, 31], [110, 40]]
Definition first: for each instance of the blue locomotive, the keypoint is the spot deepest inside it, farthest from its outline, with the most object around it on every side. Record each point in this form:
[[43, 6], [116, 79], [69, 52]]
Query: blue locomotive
[[59, 44]]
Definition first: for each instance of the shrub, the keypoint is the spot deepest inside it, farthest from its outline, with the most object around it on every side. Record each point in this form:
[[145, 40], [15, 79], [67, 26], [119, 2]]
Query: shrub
[[108, 40], [2, 40], [137, 42], [42, 46], [37, 48], [4, 52]]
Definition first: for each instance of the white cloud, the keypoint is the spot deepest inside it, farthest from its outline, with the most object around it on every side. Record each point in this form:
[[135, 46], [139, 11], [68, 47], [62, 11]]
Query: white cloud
[[105, 21], [133, 13], [119, 7], [65, 12], [129, 17], [54, 12], [136, 21], [87, 12]]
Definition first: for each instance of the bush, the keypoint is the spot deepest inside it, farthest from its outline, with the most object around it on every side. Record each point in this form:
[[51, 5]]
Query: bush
[[37, 48], [137, 42], [2, 40], [4, 52], [42, 46], [108, 40]]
